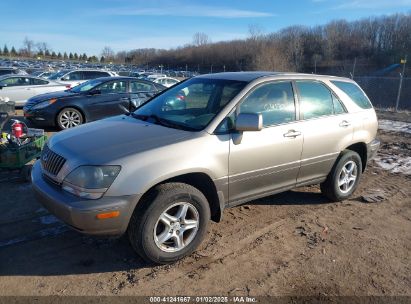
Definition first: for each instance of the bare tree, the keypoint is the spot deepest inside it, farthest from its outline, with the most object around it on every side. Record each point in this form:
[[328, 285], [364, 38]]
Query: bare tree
[[28, 46], [107, 53], [255, 31], [200, 39]]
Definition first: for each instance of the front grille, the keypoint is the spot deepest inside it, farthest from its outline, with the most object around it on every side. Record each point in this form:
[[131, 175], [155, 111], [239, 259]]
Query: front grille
[[51, 161]]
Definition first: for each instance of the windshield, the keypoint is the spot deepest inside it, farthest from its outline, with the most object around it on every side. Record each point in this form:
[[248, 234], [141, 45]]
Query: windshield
[[86, 86], [58, 75], [190, 105]]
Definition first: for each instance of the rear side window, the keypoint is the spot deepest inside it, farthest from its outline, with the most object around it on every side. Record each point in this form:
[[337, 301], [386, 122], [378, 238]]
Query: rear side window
[[316, 100], [354, 92], [94, 74], [74, 76], [36, 81], [137, 86]]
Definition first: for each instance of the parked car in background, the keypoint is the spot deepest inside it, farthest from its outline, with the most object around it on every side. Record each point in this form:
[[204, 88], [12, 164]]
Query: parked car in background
[[11, 70], [153, 77], [161, 175], [89, 101], [166, 81], [19, 88], [75, 77], [46, 74]]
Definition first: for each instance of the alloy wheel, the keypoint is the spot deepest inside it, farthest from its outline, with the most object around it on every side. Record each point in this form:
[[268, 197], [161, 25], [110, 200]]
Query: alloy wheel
[[176, 227], [348, 176], [70, 119]]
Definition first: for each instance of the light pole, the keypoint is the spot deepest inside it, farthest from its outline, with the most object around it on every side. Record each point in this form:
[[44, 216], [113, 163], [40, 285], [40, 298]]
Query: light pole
[[397, 103]]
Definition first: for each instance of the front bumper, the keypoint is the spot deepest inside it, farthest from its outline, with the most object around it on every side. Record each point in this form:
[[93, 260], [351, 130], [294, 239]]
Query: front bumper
[[40, 117], [372, 149], [81, 214]]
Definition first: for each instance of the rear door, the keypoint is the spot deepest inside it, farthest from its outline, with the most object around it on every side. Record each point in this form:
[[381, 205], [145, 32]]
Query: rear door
[[41, 86], [266, 161], [112, 95], [326, 126], [17, 89], [140, 92]]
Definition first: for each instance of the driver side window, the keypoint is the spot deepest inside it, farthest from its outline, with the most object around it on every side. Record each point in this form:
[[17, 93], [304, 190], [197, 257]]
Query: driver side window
[[275, 101]]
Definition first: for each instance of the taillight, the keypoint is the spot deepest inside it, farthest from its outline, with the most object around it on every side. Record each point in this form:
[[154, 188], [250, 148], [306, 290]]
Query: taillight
[[68, 86]]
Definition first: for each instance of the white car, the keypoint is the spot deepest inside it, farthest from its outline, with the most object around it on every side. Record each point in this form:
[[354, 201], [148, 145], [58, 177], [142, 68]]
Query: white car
[[166, 81], [153, 77], [75, 77], [19, 88]]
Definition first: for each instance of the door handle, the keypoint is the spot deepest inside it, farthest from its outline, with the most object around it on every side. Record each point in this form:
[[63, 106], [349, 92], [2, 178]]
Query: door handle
[[292, 133], [344, 124]]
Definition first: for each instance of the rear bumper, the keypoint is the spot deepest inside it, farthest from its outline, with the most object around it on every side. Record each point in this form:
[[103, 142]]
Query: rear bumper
[[372, 149], [81, 214]]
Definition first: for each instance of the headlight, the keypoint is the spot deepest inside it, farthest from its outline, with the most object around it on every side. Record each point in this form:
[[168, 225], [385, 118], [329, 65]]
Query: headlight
[[90, 181], [44, 104]]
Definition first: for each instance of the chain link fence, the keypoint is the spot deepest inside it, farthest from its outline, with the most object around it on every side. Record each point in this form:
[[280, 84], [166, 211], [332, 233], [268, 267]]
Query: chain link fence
[[383, 91]]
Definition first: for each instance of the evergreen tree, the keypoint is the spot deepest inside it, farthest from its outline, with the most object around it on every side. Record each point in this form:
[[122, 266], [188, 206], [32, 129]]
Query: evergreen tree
[[65, 56], [102, 59], [47, 53], [53, 55], [6, 50], [13, 51], [71, 56], [59, 56], [75, 56]]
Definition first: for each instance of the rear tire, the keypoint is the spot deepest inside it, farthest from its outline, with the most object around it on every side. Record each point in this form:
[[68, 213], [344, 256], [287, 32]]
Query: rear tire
[[344, 177], [69, 118], [170, 223]]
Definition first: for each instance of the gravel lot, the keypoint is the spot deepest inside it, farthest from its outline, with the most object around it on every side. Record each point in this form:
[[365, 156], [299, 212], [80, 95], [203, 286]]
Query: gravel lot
[[295, 243]]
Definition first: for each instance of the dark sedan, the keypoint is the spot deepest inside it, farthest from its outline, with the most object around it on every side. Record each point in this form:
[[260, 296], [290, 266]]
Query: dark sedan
[[89, 101]]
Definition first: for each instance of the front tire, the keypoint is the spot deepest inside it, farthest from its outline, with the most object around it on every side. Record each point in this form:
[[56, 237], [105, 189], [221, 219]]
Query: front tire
[[344, 177], [69, 118], [170, 224]]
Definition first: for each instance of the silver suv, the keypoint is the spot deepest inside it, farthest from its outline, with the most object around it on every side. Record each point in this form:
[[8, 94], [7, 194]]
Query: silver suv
[[211, 142]]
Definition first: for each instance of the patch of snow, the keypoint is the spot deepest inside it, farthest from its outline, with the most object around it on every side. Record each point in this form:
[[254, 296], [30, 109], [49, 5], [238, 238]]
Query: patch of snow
[[394, 126], [394, 164]]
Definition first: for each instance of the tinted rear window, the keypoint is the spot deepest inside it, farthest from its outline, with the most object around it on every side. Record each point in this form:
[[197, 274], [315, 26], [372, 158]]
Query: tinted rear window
[[354, 92]]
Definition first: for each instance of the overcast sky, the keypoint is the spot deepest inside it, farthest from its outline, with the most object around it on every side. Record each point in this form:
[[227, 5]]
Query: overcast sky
[[89, 25]]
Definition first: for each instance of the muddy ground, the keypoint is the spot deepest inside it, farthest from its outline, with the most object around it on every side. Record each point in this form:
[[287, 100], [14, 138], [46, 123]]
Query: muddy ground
[[295, 243]]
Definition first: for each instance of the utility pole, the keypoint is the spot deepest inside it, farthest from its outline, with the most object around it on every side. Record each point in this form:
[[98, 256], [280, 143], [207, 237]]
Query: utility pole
[[224, 67], [211, 69], [353, 68], [404, 62], [186, 68]]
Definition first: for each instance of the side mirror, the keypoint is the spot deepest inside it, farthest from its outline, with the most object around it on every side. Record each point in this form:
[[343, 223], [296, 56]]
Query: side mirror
[[249, 122]]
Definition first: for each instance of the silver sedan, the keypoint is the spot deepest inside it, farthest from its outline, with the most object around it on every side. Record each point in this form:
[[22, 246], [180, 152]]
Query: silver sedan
[[19, 88]]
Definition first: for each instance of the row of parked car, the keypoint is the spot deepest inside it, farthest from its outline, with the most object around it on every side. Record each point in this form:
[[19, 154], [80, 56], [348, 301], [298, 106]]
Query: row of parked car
[[68, 98]]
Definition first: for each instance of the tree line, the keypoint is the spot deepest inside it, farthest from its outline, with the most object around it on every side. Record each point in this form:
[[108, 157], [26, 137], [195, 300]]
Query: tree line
[[381, 40]]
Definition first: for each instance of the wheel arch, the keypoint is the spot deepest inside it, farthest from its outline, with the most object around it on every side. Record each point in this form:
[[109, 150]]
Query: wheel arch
[[198, 180], [361, 149]]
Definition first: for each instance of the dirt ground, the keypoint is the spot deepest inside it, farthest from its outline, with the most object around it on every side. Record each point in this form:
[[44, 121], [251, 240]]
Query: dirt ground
[[295, 243]]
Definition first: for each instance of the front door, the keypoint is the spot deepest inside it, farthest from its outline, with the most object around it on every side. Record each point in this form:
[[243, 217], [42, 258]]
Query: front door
[[266, 161]]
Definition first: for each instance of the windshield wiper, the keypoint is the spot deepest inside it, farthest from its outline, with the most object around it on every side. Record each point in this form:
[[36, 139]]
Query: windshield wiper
[[162, 121]]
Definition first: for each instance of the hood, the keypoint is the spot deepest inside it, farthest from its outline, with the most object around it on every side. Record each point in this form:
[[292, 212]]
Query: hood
[[42, 97], [107, 140]]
